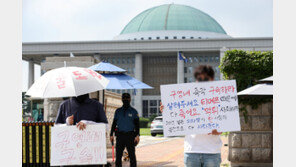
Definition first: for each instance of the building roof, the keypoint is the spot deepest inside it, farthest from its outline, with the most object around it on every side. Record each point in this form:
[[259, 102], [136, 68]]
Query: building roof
[[38, 51], [173, 17], [106, 67]]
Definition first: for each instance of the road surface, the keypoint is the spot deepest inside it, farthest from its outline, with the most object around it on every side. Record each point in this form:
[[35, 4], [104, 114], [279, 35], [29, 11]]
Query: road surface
[[166, 152]]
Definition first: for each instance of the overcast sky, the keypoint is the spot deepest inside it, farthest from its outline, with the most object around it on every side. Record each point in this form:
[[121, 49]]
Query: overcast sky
[[76, 20]]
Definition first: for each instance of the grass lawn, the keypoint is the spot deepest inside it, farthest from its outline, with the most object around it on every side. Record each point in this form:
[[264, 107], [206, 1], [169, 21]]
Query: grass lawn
[[145, 132], [225, 134]]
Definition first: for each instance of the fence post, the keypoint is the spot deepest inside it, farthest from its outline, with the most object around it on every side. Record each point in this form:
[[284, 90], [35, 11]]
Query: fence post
[[24, 144]]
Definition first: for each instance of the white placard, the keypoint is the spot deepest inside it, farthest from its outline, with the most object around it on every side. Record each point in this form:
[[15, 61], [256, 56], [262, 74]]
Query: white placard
[[200, 107], [70, 146]]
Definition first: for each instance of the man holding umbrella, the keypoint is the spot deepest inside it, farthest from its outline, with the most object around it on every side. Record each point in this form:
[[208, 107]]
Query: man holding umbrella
[[80, 111], [75, 82], [126, 119]]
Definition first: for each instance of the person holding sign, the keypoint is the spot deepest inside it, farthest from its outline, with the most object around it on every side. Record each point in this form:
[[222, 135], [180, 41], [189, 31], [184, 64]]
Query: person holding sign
[[126, 119], [80, 111], [202, 150]]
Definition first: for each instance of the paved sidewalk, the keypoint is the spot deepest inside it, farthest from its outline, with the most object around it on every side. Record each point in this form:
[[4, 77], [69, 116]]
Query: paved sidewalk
[[166, 152], [149, 140]]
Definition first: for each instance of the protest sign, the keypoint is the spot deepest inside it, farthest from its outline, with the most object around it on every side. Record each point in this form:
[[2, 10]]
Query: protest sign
[[70, 146], [200, 107]]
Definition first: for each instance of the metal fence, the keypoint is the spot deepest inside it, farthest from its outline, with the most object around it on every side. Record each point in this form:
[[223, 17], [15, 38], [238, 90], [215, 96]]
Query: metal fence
[[36, 144]]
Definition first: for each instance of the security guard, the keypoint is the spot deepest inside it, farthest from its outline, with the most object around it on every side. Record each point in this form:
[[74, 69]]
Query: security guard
[[126, 119]]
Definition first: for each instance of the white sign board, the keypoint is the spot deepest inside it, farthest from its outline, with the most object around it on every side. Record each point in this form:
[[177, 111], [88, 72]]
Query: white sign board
[[200, 107], [70, 146]]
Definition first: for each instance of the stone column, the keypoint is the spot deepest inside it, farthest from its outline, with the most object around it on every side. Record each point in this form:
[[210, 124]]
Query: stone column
[[51, 107], [253, 145], [222, 53], [31, 73], [97, 57], [46, 109], [180, 70], [138, 76]]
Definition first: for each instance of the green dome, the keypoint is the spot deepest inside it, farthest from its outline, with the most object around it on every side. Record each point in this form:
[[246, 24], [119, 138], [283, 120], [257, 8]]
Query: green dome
[[172, 17]]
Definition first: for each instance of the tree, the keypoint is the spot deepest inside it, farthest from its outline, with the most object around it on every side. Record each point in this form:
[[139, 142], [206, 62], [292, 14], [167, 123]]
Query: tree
[[26, 104], [246, 67]]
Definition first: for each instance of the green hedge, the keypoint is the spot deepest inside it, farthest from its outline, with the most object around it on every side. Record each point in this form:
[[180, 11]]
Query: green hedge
[[144, 122], [247, 68], [151, 118]]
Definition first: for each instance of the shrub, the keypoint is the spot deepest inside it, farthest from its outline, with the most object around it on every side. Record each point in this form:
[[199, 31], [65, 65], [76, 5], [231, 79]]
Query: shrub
[[144, 122], [151, 118], [246, 67]]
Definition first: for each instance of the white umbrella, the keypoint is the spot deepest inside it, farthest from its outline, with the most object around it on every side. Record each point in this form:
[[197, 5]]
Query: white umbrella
[[258, 90], [267, 80], [67, 82]]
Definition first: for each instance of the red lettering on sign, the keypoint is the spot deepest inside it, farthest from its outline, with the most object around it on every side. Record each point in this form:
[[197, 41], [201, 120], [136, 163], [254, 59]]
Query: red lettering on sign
[[211, 110], [79, 75], [213, 100], [180, 93], [173, 94], [85, 156], [222, 89], [68, 156], [182, 113], [61, 83], [192, 112]]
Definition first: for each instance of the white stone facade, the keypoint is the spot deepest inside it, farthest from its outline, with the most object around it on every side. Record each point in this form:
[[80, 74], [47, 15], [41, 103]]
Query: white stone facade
[[154, 62]]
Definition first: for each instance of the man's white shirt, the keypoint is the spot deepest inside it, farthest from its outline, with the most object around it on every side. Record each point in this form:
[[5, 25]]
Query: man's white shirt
[[202, 143]]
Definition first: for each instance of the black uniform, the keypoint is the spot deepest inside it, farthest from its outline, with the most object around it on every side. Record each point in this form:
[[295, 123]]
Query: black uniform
[[127, 121], [83, 108]]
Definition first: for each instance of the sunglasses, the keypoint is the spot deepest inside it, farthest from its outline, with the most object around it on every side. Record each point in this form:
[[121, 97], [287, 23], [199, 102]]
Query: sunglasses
[[126, 98]]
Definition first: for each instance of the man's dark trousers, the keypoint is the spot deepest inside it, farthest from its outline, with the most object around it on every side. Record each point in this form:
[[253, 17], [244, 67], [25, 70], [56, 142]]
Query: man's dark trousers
[[125, 140]]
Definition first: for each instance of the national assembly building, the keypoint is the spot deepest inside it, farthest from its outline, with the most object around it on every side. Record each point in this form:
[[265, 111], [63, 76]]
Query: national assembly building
[[149, 48]]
